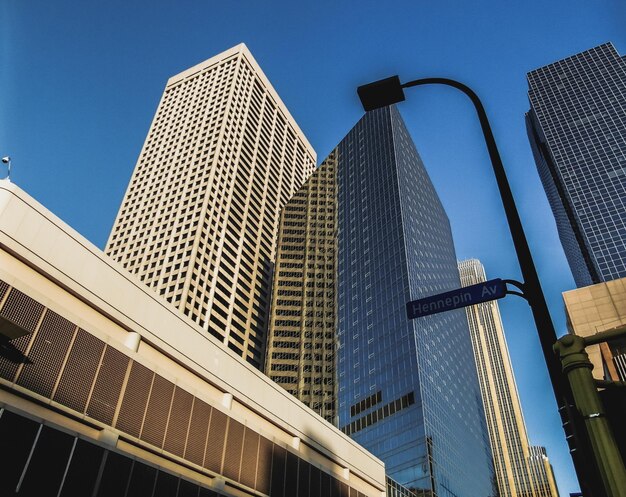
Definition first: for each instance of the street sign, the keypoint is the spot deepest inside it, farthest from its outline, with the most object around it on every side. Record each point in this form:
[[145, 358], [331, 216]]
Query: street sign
[[455, 299]]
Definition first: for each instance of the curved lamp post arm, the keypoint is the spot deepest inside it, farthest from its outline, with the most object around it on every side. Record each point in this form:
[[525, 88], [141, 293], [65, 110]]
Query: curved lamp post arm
[[533, 293], [515, 225], [527, 266], [390, 91]]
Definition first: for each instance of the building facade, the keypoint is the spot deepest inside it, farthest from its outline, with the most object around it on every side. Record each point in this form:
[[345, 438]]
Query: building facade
[[542, 471], [505, 420], [365, 235], [599, 308], [302, 340], [199, 219], [577, 130], [407, 389], [108, 391]]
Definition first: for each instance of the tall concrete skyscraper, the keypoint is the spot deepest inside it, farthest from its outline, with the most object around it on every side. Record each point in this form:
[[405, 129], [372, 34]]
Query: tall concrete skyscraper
[[199, 219], [543, 474], [577, 130], [505, 421], [408, 392]]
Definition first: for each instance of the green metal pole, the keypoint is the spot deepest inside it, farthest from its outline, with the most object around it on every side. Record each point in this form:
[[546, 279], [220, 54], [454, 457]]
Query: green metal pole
[[577, 367]]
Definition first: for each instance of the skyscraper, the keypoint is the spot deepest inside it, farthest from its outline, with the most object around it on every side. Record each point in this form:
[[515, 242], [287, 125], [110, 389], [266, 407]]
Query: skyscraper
[[302, 339], [408, 390], [199, 219], [505, 421], [543, 474], [577, 130]]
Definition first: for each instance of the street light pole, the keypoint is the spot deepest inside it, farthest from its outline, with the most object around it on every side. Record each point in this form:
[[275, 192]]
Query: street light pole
[[390, 91], [531, 286], [578, 368]]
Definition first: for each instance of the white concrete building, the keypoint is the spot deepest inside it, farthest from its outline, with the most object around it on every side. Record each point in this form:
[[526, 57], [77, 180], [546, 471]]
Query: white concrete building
[[110, 387], [199, 220]]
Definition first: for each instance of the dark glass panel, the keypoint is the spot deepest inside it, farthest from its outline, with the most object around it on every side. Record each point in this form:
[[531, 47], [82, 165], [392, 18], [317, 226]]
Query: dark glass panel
[[141, 480], [315, 483], [166, 485], [291, 476], [47, 464], [304, 470], [278, 472], [83, 470], [17, 435], [327, 489], [115, 475], [187, 489]]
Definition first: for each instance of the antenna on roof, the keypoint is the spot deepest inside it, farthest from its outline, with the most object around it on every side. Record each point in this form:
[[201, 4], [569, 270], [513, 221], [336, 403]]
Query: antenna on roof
[[7, 160]]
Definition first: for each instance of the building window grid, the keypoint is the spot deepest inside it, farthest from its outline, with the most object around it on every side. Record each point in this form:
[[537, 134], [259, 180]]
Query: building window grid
[[171, 146]]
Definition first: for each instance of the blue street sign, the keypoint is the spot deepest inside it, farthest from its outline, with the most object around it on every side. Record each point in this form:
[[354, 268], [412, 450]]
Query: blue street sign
[[469, 295]]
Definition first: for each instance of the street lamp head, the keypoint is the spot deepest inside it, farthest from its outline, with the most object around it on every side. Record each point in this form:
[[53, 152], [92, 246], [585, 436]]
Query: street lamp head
[[381, 93], [6, 160]]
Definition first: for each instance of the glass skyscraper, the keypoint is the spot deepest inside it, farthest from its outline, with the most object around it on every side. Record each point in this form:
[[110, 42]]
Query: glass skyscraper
[[577, 130], [408, 390], [365, 235]]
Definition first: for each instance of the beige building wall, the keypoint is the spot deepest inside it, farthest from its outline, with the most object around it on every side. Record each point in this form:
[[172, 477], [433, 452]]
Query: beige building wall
[[598, 308], [503, 410], [96, 334], [302, 338], [199, 219], [542, 471]]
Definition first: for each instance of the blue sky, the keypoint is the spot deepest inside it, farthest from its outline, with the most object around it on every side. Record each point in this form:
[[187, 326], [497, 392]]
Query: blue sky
[[80, 81]]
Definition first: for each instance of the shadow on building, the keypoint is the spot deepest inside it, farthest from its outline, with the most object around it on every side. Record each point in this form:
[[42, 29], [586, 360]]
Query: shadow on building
[[79, 416]]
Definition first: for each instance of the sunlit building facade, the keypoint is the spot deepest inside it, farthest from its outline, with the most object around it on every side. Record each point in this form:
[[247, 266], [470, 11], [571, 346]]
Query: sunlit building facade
[[302, 340], [199, 219], [106, 391], [503, 410], [365, 235], [577, 130], [542, 472], [594, 309]]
